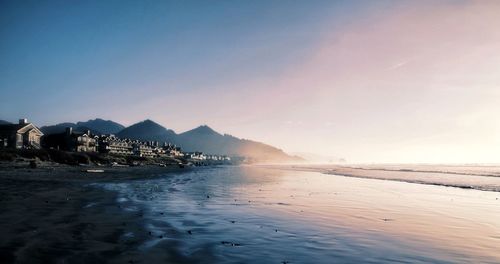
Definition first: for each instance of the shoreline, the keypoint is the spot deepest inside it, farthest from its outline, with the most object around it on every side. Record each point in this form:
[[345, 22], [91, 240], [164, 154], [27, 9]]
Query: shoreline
[[59, 172], [454, 179], [58, 215]]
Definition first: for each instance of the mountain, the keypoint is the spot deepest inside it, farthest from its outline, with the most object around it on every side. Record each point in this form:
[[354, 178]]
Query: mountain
[[97, 126], [55, 129], [61, 127], [103, 126], [205, 139], [148, 130], [3, 122]]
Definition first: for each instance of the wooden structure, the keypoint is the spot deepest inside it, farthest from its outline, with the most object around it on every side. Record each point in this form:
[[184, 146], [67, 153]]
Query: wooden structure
[[23, 135]]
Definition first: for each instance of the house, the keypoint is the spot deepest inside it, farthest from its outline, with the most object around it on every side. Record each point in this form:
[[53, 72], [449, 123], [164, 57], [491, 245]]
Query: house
[[171, 150], [113, 145], [176, 152], [143, 150], [124, 146], [71, 141], [195, 155], [23, 135]]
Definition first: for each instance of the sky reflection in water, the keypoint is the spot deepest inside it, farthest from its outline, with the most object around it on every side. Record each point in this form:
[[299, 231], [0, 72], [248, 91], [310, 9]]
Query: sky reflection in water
[[259, 215]]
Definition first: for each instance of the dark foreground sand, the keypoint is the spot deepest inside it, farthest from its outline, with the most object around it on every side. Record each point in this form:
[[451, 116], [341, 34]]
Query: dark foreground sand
[[55, 215]]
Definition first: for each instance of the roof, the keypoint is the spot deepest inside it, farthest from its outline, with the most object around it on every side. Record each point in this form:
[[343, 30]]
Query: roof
[[14, 128]]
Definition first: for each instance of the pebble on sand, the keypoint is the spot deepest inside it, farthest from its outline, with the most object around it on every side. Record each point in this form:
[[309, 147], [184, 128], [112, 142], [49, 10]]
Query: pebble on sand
[[227, 243]]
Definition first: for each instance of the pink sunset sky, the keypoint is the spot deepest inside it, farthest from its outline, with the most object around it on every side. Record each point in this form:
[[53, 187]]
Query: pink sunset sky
[[393, 81]]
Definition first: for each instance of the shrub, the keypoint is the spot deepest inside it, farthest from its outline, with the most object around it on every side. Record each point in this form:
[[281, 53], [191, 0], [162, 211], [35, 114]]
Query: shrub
[[7, 155]]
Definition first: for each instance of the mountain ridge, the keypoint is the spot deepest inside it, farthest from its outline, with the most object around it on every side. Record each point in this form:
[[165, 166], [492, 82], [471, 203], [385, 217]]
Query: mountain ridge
[[202, 138], [205, 139], [104, 126], [148, 130], [96, 126]]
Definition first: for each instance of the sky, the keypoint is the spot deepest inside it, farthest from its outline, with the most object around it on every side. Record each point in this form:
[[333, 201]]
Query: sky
[[368, 81]]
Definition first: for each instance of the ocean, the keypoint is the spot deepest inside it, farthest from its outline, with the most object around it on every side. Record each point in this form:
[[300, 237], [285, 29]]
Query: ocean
[[246, 214]]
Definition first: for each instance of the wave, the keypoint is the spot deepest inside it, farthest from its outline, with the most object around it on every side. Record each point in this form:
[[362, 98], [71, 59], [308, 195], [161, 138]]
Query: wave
[[484, 174], [488, 188], [483, 178]]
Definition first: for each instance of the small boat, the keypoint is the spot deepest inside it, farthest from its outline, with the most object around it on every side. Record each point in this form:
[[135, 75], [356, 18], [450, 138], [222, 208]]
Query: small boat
[[94, 171]]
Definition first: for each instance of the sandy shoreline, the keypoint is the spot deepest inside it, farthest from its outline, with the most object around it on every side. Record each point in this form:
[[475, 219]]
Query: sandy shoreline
[[236, 214], [484, 178], [57, 214], [248, 214], [58, 172]]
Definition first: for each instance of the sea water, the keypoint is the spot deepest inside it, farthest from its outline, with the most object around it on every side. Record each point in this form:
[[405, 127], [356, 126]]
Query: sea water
[[262, 215]]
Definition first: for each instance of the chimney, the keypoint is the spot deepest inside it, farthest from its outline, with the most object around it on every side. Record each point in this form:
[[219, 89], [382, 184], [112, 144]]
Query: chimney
[[23, 121], [69, 130]]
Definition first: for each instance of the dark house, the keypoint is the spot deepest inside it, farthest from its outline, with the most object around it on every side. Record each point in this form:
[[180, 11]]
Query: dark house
[[71, 141], [18, 136]]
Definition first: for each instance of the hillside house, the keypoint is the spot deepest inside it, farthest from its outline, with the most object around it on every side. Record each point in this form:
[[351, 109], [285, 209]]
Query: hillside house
[[23, 135]]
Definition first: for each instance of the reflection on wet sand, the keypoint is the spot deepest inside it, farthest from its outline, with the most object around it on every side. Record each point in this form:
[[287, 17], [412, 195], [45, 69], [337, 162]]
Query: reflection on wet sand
[[248, 214]]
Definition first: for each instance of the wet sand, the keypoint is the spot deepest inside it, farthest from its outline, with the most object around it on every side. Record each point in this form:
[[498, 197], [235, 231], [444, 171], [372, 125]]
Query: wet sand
[[56, 214], [240, 214], [262, 215], [58, 172], [486, 178]]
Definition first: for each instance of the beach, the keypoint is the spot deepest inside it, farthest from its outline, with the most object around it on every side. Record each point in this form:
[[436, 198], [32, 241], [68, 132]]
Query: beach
[[240, 214], [479, 177], [54, 214]]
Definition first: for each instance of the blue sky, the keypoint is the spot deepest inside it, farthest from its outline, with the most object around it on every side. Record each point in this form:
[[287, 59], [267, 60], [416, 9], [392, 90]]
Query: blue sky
[[371, 81], [76, 56]]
